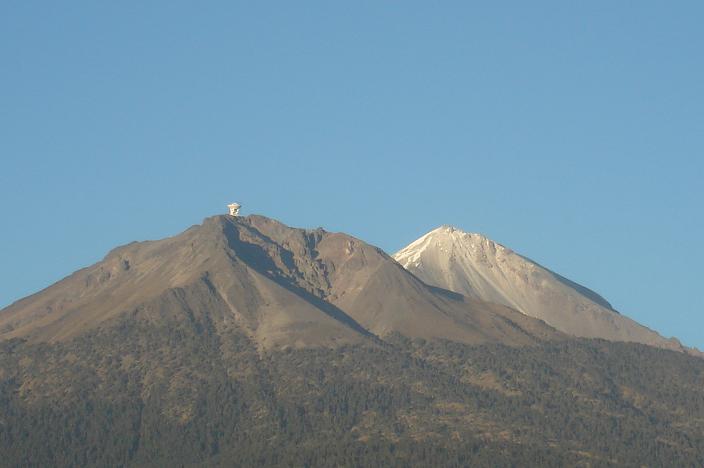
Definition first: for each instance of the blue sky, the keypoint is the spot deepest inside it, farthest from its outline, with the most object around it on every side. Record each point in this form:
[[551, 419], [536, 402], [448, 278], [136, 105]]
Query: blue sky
[[572, 132]]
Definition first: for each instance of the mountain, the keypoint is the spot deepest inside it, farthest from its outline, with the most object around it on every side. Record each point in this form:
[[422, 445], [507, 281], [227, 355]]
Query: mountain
[[478, 267], [244, 342], [282, 286], [195, 274]]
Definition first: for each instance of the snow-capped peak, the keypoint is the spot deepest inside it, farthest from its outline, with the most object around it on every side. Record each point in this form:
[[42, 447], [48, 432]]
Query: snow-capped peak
[[474, 265], [446, 241]]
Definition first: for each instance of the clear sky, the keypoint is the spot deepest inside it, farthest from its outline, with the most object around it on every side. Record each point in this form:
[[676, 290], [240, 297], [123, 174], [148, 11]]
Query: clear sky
[[572, 132]]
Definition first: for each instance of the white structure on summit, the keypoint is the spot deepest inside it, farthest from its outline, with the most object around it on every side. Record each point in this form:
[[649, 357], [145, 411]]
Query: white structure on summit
[[234, 209]]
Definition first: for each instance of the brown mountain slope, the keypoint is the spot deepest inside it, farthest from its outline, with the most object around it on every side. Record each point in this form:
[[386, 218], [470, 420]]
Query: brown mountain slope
[[380, 295], [196, 272], [282, 286]]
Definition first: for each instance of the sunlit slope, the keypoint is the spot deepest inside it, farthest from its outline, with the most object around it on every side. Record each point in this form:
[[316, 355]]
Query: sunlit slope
[[476, 266]]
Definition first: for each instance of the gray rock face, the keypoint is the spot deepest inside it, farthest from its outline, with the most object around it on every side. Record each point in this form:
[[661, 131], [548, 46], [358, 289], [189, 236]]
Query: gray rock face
[[474, 265]]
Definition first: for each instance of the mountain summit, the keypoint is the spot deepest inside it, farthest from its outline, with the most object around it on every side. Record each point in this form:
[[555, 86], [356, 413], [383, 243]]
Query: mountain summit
[[244, 342], [473, 265], [281, 286]]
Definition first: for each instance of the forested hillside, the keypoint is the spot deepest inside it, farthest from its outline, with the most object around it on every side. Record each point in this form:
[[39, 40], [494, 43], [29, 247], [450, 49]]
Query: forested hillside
[[175, 393]]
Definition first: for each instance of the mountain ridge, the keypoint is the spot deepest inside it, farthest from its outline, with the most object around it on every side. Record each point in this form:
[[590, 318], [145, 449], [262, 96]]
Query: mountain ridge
[[283, 286], [473, 264], [244, 342]]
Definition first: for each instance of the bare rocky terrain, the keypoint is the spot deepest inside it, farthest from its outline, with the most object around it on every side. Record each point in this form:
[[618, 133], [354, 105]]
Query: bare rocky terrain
[[475, 266], [245, 342], [282, 286]]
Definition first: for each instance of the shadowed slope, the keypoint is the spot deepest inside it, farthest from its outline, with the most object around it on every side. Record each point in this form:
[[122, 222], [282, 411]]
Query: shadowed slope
[[381, 296]]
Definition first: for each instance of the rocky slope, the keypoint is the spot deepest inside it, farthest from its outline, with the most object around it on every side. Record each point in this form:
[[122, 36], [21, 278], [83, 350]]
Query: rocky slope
[[281, 286], [476, 266], [243, 342]]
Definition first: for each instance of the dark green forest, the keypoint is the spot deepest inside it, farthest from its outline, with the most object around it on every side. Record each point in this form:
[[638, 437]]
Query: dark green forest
[[179, 394]]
